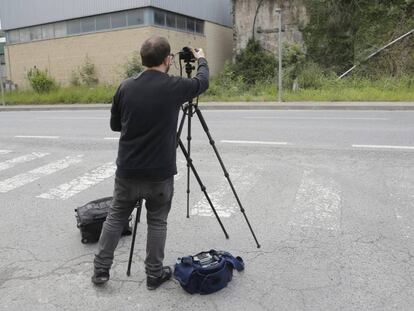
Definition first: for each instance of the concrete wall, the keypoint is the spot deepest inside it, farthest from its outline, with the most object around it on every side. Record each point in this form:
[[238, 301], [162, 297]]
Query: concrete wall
[[219, 47], [294, 13], [109, 51]]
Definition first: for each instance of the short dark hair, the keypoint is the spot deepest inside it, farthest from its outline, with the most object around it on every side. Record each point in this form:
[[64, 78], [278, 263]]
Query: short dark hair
[[154, 51]]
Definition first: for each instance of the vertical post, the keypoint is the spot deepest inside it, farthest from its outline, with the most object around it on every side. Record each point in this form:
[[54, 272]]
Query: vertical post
[[280, 87], [3, 102]]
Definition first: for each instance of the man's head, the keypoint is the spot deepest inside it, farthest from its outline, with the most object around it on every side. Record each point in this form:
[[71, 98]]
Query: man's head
[[155, 52]]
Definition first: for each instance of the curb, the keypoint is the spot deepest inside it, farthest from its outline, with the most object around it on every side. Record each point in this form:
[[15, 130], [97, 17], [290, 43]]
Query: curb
[[406, 106]]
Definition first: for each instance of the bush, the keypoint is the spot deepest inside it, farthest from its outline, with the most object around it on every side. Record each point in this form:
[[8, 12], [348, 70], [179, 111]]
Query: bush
[[40, 80], [87, 74], [133, 66], [75, 78], [312, 76], [255, 64], [293, 63]]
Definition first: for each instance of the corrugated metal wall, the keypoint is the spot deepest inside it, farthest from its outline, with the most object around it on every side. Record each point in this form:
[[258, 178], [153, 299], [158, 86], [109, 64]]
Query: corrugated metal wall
[[22, 13]]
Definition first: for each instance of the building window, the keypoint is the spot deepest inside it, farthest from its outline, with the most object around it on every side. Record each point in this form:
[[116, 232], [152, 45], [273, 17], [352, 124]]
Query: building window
[[118, 20], [13, 36], [103, 22], [60, 30], [181, 22], [88, 24], [25, 35], [171, 20], [159, 18], [190, 25], [48, 31], [135, 17], [74, 27], [200, 27], [35, 33]]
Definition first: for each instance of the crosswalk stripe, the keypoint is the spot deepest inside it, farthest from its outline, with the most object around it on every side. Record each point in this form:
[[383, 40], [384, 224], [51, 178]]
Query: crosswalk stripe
[[25, 178], [67, 190], [317, 203], [25, 158], [5, 151], [243, 179]]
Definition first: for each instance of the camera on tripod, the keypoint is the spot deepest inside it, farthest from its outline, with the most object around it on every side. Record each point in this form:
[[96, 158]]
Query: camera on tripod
[[186, 54]]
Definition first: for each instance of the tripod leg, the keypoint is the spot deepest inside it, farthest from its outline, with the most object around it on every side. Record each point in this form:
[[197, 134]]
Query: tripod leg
[[226, 174], [180, 128], [203, 188], [134, 234], [190, 116]]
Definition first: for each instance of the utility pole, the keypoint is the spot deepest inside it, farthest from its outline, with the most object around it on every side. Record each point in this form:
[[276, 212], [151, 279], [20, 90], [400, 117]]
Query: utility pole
[[280, 87]]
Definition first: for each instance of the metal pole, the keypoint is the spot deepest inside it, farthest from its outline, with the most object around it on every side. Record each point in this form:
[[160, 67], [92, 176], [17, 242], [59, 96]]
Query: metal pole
[[376, 52], [3, 102], [279, 11]]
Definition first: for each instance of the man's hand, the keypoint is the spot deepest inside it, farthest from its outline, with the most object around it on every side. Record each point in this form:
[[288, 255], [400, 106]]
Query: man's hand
[[198, 53]]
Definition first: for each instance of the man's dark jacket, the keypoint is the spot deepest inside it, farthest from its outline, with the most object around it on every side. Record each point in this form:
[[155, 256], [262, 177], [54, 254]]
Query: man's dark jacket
[[145, 110]]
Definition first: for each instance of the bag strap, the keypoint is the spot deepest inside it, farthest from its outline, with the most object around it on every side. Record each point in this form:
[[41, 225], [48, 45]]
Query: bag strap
[[236, 262]]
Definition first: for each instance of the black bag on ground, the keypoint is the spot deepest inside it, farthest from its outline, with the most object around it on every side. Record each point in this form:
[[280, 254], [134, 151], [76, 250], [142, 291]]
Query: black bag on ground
[[91, 216]]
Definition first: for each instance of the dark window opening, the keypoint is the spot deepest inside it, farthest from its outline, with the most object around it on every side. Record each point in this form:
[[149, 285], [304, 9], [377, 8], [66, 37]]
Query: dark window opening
[[118, 20], [74, 27], [171, 20], [135, 17], [159, 18], [190, 25], [103, 22], [88, 24], [181, 22]]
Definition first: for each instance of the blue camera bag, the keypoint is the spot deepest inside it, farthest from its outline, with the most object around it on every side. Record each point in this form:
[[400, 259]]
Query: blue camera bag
[[206, 276]]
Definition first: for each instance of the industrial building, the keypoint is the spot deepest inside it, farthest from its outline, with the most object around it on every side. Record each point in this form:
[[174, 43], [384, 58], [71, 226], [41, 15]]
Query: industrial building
[[58, 35]]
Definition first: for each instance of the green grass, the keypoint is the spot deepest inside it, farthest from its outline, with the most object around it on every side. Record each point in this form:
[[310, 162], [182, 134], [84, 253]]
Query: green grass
[[332, 90], [353, 89], [69, 95]]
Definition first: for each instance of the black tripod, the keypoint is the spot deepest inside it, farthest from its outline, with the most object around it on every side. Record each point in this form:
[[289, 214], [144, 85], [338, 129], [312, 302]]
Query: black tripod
[[189, 110]]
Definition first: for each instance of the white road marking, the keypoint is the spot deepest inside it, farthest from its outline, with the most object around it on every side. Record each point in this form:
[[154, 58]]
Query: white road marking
[[5, 151], [316, 118], [317, 203], [254, 142], [41, 137], [243, 179], [25, 178], [384, 147], [94, 177], [25, 158], [111, 138]]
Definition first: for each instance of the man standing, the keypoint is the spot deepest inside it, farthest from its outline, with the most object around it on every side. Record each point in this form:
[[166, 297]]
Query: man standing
[[145, 110]]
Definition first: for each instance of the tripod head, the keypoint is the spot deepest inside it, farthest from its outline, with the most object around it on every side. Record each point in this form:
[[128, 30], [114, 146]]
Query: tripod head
[[188, 57], [189, 67]]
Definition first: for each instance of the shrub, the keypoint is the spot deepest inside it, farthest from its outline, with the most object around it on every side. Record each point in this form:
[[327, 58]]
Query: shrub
[[255, 64], [75, 78], [293, 63], [312, 76], [87, 73], [133, 66], [40, 80]]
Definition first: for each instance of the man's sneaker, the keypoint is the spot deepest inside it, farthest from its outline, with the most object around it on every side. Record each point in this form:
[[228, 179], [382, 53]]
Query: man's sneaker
[[153, 282], [100, 276]]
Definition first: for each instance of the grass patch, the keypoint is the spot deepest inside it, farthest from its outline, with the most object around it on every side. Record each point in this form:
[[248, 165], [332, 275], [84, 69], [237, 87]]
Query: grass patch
[[353, 89], [69, 95]]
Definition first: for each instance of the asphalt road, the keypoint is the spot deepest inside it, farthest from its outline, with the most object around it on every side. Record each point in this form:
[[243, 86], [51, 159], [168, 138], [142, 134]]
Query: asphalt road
[[330, 195]]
